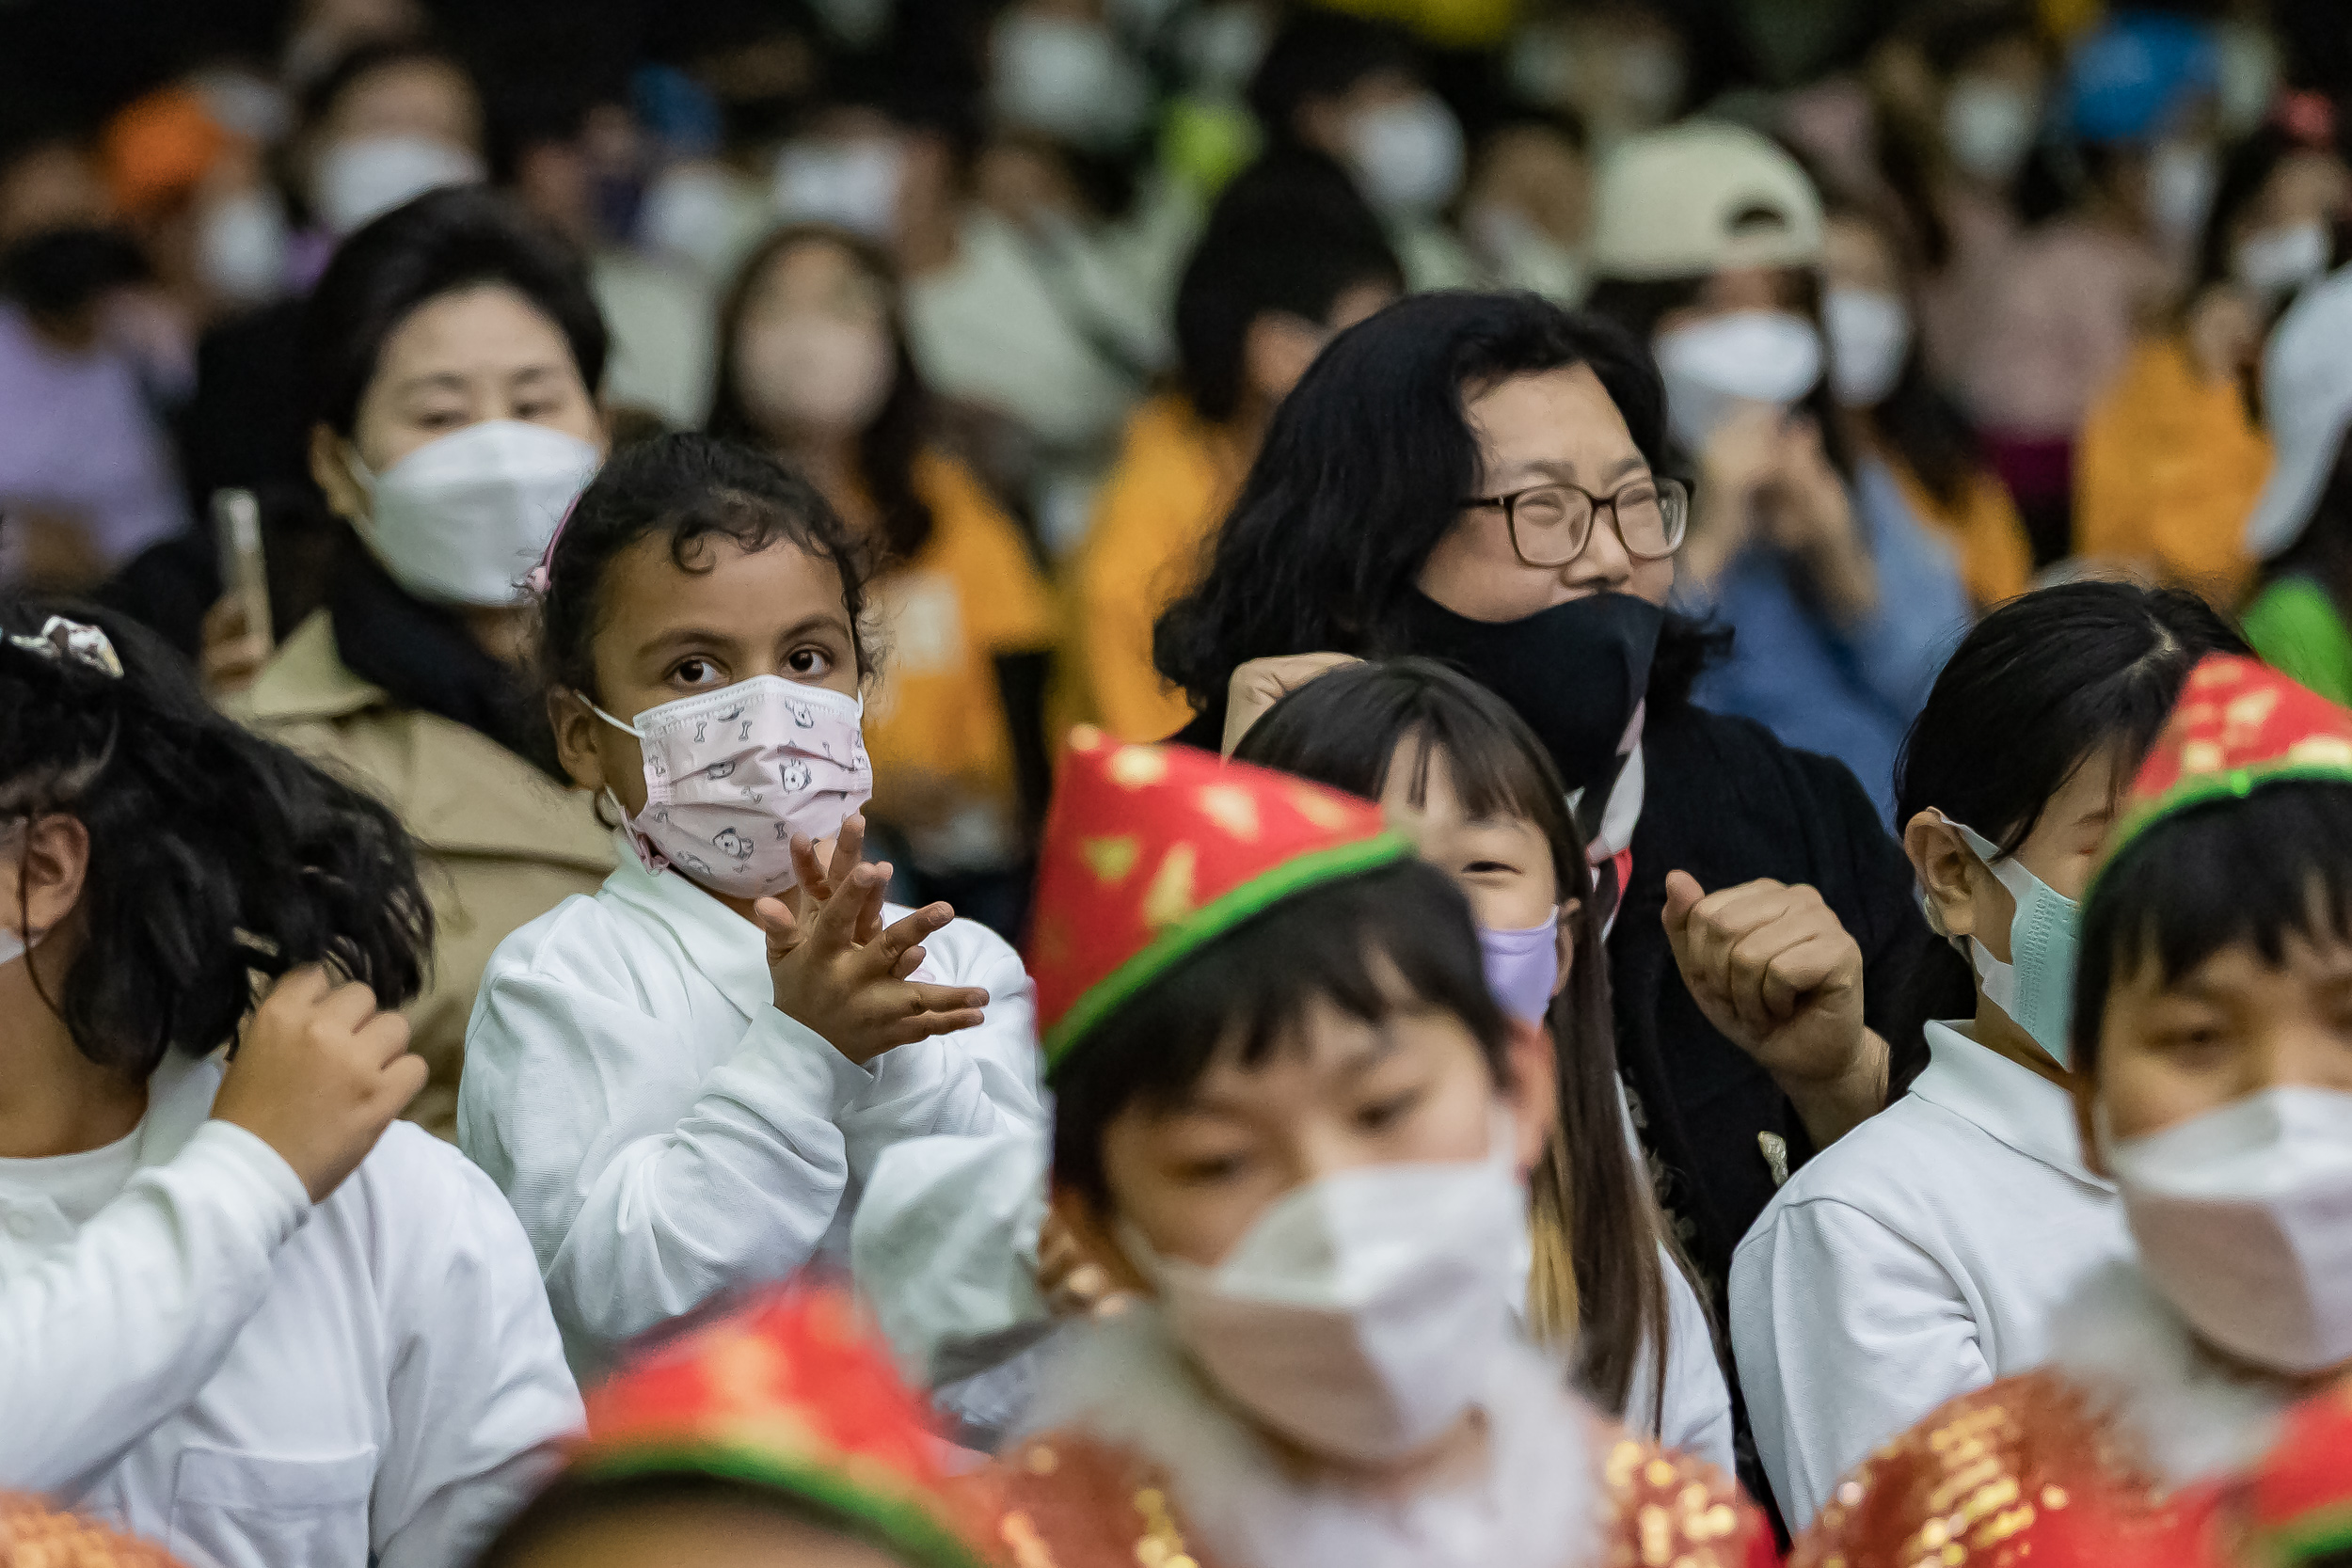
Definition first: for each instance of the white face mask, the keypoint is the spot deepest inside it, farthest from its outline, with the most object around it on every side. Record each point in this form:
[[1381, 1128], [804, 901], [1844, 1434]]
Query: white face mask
[[2035, 987], [1221, 44], [2243, 1221], [1651, 80], [853, 183], [1989, 127], [697, 212], [1069, 79], [241, 247], [814, 374], [1525, 257], [461, 519], [1869, 341], [1714, 366], [1407, 155], [2277, 261], [2181, 180], [1360, 1314], [365, 177]]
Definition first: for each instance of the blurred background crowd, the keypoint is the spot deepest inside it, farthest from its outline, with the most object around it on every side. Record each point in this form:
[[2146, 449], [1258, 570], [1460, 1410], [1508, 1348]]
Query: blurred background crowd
[[1948, 294]]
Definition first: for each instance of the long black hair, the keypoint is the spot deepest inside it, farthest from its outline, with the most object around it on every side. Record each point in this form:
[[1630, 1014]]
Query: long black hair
[[1591, 1206], [1363, 469], [215, 856], [899, 430], [2043, 683]]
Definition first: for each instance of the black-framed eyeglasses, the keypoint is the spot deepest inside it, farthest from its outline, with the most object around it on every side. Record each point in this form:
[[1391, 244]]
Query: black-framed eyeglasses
[[1551, 524]]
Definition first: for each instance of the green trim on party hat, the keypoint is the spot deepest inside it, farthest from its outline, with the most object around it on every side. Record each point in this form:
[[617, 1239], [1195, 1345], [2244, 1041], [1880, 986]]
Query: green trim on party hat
[[1212, 920], [905, 1527], [2234, 784]]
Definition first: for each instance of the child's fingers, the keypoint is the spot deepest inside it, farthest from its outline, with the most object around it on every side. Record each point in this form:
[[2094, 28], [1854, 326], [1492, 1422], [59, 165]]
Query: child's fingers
[[775, 918], [947, 999], [924, 1026], [888, 947], [869, 929], [838, 923], [808, 871], [848, 847]]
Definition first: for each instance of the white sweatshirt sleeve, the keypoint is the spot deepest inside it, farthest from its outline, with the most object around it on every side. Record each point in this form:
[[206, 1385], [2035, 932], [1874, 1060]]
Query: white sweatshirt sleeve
[[980, 1082], [1845, 1334], [101, 1343], [638, 1214], [480, 1395]]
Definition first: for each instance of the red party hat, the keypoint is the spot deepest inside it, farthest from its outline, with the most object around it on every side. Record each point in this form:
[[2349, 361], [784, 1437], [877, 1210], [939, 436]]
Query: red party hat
[[2239, 726], [796, 1393], [1151, 851]]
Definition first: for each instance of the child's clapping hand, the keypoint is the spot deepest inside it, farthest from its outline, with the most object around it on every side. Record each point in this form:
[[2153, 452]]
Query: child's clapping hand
[[838, 970]]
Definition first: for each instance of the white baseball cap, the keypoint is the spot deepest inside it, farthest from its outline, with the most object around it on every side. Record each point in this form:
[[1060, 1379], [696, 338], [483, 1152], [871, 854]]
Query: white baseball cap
[[2307, 398], [1699, 197]]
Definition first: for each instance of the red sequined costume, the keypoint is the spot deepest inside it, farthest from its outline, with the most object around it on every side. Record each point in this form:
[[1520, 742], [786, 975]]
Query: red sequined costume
[[1065, 1500]]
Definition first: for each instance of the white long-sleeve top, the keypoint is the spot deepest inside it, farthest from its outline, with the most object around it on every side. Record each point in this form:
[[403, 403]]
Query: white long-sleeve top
[[189, 1346], [665, 1134], [1921, 1256]]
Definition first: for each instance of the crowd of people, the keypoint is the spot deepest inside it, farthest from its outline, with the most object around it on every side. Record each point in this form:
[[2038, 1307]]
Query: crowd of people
[[1216, 784]]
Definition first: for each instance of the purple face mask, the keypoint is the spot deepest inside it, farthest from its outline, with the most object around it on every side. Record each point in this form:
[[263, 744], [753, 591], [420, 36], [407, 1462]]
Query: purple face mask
[[1523, 967]]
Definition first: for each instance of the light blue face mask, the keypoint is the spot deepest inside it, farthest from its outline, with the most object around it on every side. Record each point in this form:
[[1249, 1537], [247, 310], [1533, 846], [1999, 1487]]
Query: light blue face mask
[[2035, 987]]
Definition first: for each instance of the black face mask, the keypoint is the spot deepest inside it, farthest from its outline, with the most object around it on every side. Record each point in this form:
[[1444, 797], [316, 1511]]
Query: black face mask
[[1575, 672]]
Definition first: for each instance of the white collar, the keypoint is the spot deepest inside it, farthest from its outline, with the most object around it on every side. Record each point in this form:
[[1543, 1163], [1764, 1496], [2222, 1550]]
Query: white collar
[[179, 1099], [2011, 1102], [2191, 1417], [727, 949], [1122, 1381]]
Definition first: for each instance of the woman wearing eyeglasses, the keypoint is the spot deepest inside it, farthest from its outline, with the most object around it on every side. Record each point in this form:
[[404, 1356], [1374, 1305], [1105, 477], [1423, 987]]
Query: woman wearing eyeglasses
[[1711, 242], [1481, 479]]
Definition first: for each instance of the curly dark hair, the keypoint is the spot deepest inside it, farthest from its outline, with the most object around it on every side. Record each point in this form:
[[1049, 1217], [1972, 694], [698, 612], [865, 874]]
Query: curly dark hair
[[215, 856]]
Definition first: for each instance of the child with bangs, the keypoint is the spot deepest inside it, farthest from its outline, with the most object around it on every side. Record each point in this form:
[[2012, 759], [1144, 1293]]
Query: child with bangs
[[2212, 1048], [1295, 1126], [1461, 774]]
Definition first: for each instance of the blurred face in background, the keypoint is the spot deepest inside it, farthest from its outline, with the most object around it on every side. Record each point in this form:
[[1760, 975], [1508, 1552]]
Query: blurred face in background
[[2284, 236], [1865, 311], [814, 356], [409, 127], [1992, 108], [1281, 346]]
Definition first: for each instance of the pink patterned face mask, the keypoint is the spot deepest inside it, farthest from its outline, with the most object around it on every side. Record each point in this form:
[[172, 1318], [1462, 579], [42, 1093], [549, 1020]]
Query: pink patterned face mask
[[731, 775]]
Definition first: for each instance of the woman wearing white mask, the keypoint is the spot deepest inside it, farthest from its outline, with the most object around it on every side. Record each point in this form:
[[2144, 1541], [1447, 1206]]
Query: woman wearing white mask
[[1338, 88], [448, 359], [2174, 452], [2213, 1085], [1896, 420], [814, 366], [1708, 241], [1923, 1254]]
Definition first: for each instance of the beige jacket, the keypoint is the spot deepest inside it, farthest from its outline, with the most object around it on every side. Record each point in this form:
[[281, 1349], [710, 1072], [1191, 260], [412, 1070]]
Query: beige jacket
[[498, 844]]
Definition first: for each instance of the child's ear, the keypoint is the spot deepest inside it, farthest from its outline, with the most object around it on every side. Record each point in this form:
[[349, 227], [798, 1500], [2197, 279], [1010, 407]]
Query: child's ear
[[1533, 1095], [1945, 864], [576, 738]]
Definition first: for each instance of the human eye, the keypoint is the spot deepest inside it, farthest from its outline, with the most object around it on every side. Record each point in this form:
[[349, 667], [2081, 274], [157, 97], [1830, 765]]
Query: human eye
[[810, 662], [1384, 1113], [1210, 1167], [1489, 868], [697, 673]]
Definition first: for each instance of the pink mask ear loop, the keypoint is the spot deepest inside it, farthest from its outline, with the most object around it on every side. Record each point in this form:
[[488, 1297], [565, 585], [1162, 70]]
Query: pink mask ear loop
[[537, 579]]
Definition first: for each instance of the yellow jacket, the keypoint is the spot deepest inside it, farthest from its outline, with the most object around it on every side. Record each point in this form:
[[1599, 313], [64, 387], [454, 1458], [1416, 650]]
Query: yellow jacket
[[971, 594], [1165, 498], [1996, 557], [499, 843], [2166, 470]]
